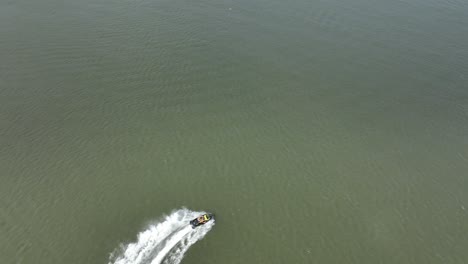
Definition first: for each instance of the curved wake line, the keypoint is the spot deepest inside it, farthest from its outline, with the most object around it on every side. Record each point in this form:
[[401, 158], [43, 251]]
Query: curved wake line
[[164, 242]]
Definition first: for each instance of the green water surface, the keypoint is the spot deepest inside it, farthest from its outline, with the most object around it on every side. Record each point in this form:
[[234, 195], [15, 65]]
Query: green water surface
[[317, 131]]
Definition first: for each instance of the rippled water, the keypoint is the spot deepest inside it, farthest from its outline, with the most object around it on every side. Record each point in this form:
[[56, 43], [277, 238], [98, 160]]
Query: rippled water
[[317, 131]]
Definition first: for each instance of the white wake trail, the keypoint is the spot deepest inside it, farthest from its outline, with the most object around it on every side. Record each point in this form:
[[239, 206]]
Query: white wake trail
[[164, 242]]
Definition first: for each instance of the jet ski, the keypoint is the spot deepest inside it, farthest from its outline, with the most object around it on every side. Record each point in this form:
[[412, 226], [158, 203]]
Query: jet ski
[[201, 220]]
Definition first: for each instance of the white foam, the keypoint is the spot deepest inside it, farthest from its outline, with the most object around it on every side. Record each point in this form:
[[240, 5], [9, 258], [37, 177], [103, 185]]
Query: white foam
[[163, 242]]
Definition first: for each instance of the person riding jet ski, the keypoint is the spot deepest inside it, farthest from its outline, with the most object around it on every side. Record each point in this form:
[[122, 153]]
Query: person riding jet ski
[[201, 220]]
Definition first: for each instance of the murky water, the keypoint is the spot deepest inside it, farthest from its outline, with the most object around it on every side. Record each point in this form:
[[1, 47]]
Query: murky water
[[317, 131]]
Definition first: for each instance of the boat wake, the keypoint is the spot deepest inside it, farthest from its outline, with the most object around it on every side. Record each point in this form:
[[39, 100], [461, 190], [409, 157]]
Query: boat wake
[[164, 242]]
